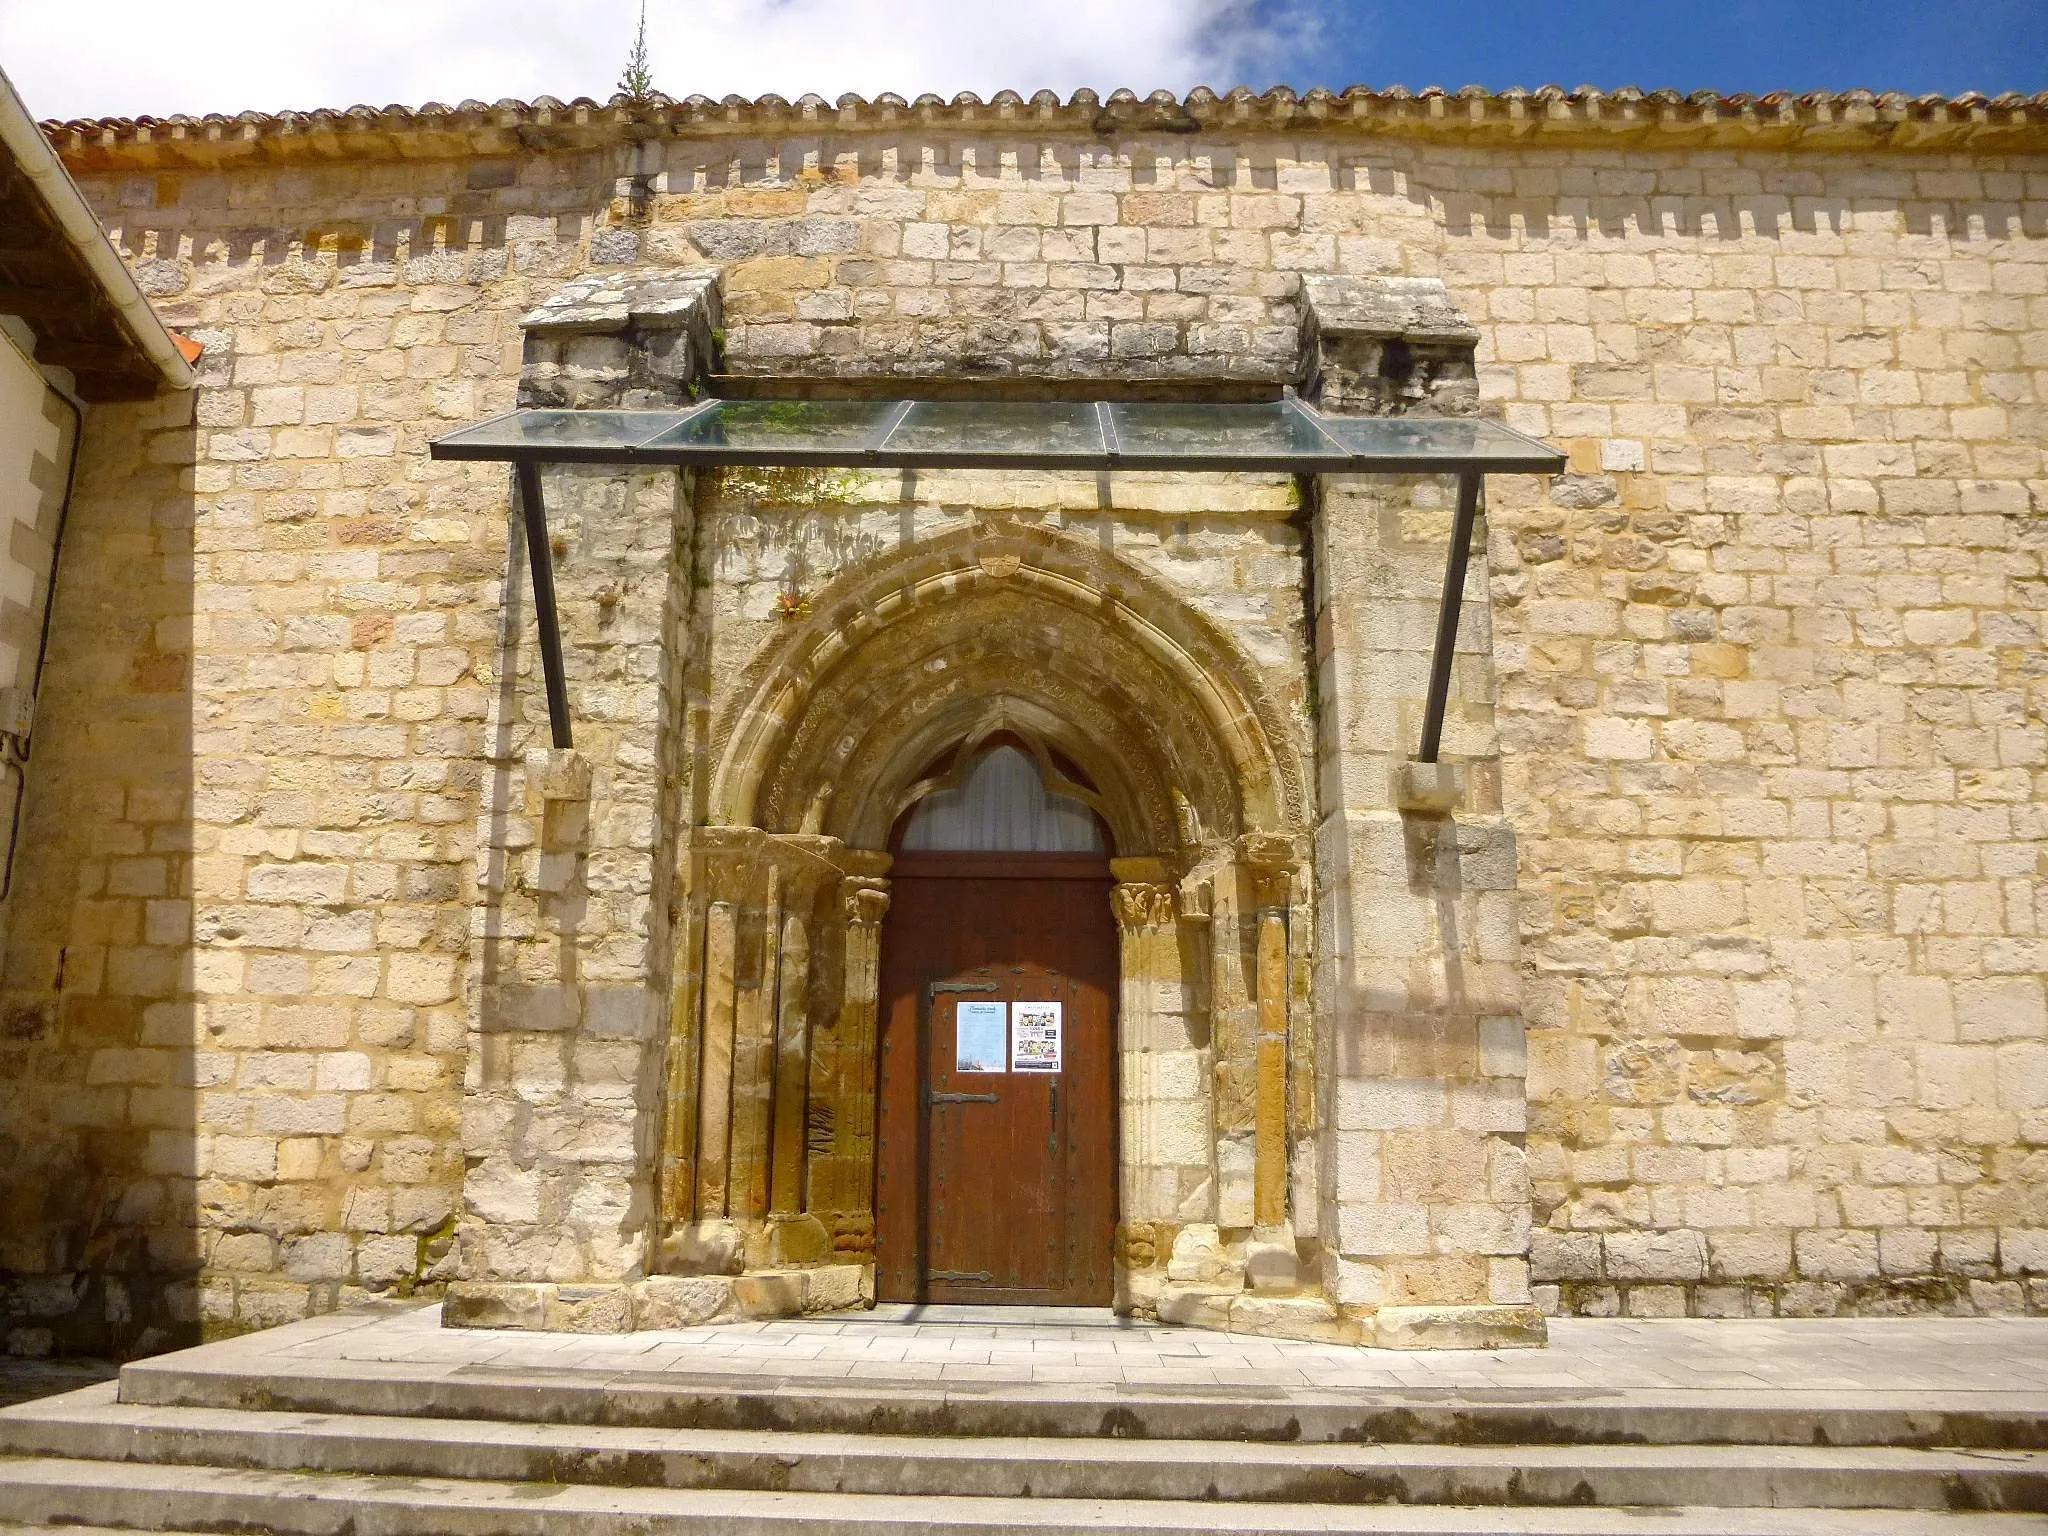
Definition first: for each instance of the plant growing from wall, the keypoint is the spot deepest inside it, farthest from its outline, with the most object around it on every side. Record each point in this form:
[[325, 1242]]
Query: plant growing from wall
[[637, 81]]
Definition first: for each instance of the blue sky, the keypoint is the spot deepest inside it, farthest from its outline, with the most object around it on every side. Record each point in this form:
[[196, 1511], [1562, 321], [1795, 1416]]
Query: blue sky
[[128, 57], [1736, 45]]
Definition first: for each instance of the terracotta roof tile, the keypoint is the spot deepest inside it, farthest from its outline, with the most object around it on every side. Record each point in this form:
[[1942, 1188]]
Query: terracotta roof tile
[[1815, 119]]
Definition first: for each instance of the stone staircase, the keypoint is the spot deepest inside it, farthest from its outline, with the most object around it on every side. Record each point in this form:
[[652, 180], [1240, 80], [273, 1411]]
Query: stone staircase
[[385, 1449]]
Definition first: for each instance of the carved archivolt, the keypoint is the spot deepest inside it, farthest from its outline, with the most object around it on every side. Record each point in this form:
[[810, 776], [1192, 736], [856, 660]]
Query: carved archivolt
[[835, 729]]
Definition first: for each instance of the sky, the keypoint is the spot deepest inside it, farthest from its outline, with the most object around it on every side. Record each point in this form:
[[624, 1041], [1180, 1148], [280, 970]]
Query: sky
[[130, 57]]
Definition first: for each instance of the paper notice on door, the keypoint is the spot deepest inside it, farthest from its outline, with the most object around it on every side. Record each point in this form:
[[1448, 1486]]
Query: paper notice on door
[[978, 1043], [1034, 1037]]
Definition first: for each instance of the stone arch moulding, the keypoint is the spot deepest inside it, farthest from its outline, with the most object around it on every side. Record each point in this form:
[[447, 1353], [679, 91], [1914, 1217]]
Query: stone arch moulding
[[836, 724]]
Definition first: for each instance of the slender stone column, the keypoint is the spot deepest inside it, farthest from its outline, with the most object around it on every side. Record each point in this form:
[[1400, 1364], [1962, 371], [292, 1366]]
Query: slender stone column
[[714, 1104], [1233, 1036], [851, 1189], [1149, 962], [1272, 886], [792, 1052], [678, 1186], [753, 1064]]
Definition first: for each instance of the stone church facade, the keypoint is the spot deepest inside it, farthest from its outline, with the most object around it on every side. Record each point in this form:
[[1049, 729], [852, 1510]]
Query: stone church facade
[[1703, 976]]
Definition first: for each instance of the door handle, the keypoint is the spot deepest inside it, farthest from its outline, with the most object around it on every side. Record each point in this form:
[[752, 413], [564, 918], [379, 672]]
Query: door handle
[[1052, 1133]]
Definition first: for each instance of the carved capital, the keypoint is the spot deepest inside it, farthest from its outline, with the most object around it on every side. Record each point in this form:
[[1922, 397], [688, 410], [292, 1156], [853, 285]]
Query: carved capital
[[730, 878], [866, 901], [1272, 889], [1272, 886], [1271, 864], [1139, 906]]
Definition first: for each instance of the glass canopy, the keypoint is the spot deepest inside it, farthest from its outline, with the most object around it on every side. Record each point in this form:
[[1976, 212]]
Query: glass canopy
[[1282, 436]]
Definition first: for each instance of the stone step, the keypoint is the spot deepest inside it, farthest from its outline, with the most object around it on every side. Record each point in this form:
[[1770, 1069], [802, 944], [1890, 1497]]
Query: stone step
[[678, 1400], [89, 1425], [131, 1496]]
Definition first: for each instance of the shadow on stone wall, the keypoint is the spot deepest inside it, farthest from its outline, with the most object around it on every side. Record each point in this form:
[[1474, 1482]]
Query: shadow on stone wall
[[102, 1047]]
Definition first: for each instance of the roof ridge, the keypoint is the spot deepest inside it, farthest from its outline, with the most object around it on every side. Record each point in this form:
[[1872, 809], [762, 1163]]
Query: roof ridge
[[1088, 99], [1830, 118]]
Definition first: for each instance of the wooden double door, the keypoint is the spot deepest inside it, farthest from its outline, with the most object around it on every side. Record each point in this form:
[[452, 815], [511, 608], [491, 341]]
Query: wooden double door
[[996, 1142]]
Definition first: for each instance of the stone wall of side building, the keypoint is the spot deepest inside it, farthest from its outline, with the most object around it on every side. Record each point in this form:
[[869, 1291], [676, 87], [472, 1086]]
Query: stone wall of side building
[[1765, 670]]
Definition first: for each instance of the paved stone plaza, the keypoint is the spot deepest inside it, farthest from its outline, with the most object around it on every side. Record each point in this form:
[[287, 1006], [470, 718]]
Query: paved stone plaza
[[1918, 1358]]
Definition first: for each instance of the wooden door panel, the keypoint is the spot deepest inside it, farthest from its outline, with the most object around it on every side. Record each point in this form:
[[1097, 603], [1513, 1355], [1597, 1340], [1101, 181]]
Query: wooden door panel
[[1021, 1190], [997, 1172]]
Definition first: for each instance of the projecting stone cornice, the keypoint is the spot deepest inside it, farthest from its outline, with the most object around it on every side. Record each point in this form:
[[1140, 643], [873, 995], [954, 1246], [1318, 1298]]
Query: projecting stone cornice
[[1550, 116]]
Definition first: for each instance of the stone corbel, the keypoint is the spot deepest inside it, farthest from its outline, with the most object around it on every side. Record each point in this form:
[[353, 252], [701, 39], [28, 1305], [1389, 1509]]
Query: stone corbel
[[1429, 789], [558, 794], [1382, 346], [633, 339]]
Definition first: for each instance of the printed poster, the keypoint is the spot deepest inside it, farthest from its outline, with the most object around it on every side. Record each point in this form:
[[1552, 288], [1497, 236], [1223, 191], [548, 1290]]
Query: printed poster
[[1034, 1037], [978, 1037]]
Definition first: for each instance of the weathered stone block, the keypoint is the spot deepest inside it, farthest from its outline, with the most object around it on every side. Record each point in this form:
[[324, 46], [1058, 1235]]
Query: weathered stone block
[[1655, 1255], [1198, 1256], [705, 1248], [1434, 789], [1196, 1306], [770, 1294], [1466, 1327], [495, 1304], [681, 1301], [556, 773], [837, 1288], [797, 1241], [1271, 1261], [1308, 1318]]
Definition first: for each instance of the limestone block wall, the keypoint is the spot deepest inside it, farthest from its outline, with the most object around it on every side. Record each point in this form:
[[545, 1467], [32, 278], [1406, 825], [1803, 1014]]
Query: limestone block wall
[[1771, 723], [1767, 703], [106, 1063], [254, 853]]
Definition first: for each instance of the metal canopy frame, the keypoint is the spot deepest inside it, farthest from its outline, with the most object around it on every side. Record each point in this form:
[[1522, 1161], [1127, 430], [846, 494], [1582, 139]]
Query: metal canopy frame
[[1282, 436]]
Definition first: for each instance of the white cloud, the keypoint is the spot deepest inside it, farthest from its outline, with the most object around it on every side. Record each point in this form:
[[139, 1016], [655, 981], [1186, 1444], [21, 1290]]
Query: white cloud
[[128, 57]]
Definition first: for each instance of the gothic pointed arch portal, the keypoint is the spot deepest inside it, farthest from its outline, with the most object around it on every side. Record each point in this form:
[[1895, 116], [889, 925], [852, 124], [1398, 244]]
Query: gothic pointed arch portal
[[881, 694]]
